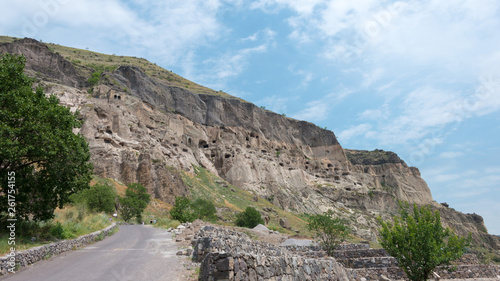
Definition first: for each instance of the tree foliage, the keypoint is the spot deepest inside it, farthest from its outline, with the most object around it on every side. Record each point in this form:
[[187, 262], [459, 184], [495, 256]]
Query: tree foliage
[[330, 230], [186, 211], [135, 201], [419, 242], [204, 209], [249, 218], [37, 143], [182, 210], [98, 198]]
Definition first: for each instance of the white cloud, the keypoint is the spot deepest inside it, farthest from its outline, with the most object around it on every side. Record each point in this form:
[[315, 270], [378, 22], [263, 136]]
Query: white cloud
[[446, 177], [320, 109], [305, 75], [375, 114], [302, 7], [232, 64], [451, 154], [372, 77], [164, 29], [275, 103], [430, 55], [315, 111], [354, 131]]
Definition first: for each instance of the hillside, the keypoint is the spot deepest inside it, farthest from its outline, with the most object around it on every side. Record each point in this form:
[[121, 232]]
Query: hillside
[[145, 124]]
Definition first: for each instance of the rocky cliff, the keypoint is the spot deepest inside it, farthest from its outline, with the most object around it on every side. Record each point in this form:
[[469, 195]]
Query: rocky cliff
[[144, 129]]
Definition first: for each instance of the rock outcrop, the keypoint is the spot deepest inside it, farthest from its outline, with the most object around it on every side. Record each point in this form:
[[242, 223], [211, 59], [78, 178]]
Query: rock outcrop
[[153, 132]]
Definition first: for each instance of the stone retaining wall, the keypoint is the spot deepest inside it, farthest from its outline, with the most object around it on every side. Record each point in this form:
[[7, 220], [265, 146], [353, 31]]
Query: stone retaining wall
[[396, 273], [232, 256], [32, 255], [360, 253], [369, 262], [251, 267], [306, 251], [218, 240]]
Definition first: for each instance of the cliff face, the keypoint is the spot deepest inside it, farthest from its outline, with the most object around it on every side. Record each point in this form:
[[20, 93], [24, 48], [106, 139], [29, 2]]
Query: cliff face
[[154, 131]]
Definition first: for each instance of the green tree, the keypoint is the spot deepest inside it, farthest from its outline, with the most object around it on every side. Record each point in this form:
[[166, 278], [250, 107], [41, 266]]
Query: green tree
[[204, 209], [249, 218], [98, 198], [135, 201], [38, 145], [182, 210], [329, 230], [419, 242]]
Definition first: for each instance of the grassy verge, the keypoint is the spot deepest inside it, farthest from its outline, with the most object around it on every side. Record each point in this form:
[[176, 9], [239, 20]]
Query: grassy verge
[[68, 223]]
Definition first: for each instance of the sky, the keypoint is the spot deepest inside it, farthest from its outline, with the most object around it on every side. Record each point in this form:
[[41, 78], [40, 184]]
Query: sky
[[417, 77]]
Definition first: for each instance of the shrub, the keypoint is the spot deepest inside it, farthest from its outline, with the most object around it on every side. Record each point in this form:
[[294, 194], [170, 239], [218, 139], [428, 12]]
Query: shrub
[[94, 79], [330, 230], [249, 218], [98, 198], [204, 209], [182, 210], [186, 211]]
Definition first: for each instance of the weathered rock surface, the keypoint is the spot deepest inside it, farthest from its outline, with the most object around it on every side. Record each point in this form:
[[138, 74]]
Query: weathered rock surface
[[154, 132]]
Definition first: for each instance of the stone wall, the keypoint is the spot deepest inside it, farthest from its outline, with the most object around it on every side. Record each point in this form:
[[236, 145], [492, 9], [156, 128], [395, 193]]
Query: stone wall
[[395, 273], [35, 254], [240, 266], [230, 255]]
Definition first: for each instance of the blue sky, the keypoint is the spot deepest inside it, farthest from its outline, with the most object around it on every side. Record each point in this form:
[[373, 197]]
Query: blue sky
[[420, 78]]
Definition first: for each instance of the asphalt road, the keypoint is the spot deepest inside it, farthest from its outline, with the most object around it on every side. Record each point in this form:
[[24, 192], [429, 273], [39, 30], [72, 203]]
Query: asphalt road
[[135, 252]]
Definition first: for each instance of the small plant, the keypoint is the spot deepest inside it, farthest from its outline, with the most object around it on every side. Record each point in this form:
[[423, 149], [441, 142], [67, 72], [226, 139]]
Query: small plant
[[330, 230], [249, 218], [94, 79], [57, 231], [47, 256], [371, 193]]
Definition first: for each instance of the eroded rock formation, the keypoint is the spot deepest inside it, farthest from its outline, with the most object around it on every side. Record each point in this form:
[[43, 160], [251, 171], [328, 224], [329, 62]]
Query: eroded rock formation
[[154, 131]]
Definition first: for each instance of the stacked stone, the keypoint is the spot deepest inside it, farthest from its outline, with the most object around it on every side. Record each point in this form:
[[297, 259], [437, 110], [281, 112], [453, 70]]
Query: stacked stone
[[239, 267], [470, 271], [306, 251], [230, 255], [216, 240]]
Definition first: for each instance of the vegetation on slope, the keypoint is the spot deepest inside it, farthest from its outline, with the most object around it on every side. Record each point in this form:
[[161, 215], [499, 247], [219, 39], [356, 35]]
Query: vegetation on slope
[[375, 157]]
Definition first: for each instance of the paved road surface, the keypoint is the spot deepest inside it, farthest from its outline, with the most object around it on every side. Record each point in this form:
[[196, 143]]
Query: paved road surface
[[135, 252]]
